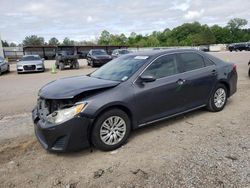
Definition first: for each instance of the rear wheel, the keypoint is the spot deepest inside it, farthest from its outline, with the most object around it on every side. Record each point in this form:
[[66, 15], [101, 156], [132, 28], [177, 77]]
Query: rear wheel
[[218, 99], [61, 66], [111, 130], [249, 72]]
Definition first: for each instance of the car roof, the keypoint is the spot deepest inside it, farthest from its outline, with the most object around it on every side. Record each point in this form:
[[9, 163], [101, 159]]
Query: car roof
[[152, 53]]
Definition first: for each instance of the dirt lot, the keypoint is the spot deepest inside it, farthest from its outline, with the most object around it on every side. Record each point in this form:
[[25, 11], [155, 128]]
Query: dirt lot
[[199, 149]]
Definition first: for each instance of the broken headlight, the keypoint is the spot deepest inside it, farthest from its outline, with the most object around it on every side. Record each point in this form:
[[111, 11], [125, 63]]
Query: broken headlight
[[63, 115]]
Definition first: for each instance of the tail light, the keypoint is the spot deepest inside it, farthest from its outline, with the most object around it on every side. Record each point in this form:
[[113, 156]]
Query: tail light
[[234, 67]]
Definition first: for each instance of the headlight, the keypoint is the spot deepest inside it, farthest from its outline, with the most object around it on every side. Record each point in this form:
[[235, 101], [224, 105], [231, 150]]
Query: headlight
[[65, 114]]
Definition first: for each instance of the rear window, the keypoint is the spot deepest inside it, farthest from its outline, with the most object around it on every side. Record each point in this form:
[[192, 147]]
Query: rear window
[[191, 61]]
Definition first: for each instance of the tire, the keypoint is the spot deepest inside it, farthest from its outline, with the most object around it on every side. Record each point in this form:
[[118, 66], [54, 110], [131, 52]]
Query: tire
[[212, 105], [249, 72], [0, 72], [124, 130], [61, 66], [77, 66], [92, 63]]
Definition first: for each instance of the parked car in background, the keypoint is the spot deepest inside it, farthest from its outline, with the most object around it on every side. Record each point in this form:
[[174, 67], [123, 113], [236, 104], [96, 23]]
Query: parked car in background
[[239, 46], [30, 63], [127, 93], [4, 66], [204, 48], [67, 58], [98, 57], [119, 52]]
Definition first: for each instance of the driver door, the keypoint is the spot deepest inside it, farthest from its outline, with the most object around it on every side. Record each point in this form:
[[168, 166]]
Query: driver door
[[162, 97]]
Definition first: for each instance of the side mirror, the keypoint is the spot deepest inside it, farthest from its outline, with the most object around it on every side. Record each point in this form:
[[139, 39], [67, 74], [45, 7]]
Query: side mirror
[[147, 78]]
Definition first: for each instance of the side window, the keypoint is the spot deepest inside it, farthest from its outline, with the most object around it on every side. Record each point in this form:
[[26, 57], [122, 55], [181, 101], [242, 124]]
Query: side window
[[208, 62], [191, 61], [162, 67]]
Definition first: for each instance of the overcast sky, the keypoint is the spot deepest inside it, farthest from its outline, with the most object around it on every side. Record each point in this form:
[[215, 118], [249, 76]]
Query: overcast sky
[[85, 19]]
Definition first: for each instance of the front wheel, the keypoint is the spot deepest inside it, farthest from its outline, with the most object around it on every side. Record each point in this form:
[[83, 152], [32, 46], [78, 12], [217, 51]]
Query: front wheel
[[111, 130], [61, 66], [218, 99]]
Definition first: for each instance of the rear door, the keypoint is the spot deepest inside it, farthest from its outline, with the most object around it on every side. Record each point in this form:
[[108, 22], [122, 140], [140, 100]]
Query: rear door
[[199, 77]]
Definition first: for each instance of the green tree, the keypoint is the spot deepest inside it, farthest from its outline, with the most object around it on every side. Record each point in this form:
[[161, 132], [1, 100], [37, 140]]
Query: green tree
[[222, 34], [33, 40], [67, 42], [54, 41], [236, 23], [104, 38], [12, 44], [5, 43]]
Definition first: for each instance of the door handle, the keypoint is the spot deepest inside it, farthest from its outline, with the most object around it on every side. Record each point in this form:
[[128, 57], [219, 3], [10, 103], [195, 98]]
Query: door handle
[[180, 81], [214, 72]]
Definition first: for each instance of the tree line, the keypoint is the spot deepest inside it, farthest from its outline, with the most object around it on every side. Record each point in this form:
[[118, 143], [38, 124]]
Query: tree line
[[187, 34]]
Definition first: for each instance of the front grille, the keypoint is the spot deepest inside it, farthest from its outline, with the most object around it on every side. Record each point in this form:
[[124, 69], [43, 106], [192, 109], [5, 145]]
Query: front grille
[[59, 143], [29, 67]]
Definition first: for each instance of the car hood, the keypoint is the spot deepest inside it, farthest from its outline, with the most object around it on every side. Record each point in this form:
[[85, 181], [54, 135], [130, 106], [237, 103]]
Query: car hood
[[30, 62], [67, 88]]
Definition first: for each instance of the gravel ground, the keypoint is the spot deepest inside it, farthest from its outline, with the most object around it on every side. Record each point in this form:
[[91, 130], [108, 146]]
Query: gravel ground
[[199, 149]]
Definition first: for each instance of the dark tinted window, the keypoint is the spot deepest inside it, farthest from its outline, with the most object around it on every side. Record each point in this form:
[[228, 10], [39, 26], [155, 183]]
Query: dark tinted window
[[191, 61], [208, 62], [162, 67]]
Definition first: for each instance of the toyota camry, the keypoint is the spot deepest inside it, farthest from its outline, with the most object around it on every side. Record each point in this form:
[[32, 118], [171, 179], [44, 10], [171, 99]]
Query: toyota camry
[[134, 90]]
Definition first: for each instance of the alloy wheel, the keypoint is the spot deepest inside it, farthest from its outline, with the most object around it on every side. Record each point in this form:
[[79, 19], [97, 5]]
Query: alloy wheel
[[113, 130], [220, 97]]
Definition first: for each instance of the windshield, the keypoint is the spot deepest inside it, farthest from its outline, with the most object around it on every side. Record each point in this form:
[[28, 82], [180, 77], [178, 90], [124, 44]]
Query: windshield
[[123, 52], [119, 69], [31, 58], [99, 52]]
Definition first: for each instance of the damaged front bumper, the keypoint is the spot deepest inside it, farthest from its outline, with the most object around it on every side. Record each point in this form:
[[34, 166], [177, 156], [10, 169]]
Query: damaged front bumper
[[71, 135]]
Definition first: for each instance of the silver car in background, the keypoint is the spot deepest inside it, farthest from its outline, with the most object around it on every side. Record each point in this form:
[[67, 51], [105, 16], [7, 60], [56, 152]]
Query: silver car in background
[[30, 63], [4, 66]]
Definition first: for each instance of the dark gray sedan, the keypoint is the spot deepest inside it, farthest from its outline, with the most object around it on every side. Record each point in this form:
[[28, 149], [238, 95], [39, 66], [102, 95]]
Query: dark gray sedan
[[129, 92], [30, 63]]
